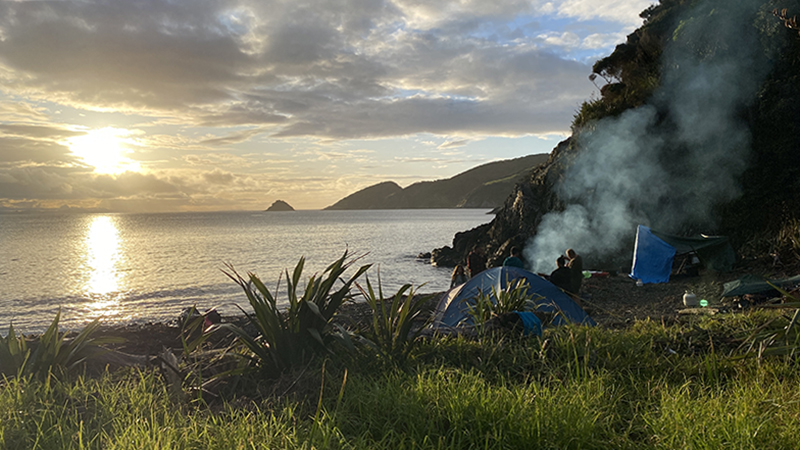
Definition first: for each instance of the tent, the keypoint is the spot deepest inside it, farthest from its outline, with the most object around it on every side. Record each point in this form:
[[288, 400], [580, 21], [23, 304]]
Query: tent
[[751, 284], [453, 308], [654, 252]]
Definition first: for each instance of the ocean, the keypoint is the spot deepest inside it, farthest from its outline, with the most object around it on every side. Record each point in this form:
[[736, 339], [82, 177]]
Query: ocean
[[138, 268]]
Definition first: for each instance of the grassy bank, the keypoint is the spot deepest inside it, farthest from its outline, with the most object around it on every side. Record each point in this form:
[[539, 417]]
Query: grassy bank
[[648, 386]]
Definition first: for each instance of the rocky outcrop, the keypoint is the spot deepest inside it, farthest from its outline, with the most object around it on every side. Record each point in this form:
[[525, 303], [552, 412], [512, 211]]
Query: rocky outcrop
[[280, 205], [517, 220]]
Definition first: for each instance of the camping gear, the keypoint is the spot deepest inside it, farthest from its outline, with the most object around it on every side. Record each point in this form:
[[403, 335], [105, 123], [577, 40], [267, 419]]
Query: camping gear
[[654, 253], [530, 323], [751, 284], [689, 299], [453, 308]]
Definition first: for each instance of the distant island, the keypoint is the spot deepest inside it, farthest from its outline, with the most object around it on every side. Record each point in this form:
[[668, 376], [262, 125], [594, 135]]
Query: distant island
[[280, 205], [485, 186]]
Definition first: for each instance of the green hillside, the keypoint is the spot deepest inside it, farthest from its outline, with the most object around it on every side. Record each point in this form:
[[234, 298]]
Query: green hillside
[[485, 186]]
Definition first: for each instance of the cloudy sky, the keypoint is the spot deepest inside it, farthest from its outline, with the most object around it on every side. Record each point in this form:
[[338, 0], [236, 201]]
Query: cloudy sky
[[172, 105]]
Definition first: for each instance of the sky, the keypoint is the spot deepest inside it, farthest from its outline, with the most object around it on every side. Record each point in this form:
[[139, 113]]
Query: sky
[[200, 105]]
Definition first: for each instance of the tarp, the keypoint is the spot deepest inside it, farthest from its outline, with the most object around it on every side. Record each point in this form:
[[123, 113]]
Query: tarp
[[751, 284], [715, 252], [453, 308], [654, 253], [652, 257]]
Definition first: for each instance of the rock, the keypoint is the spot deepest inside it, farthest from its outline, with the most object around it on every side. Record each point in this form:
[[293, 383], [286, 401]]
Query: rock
[[445, 257], [280, 205]]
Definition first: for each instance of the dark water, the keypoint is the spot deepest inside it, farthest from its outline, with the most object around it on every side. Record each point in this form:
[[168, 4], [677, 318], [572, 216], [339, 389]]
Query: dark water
[[148, 267]]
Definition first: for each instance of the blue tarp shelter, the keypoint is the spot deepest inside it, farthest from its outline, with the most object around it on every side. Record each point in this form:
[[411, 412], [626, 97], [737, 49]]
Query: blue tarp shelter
[[652, 257], [654, 252], [453, 308]]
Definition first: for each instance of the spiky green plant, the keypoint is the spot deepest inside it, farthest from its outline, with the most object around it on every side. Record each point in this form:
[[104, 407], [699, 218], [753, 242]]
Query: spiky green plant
[[53, 350], [286, 338], [393, 319], [14, 353], [513, 297]]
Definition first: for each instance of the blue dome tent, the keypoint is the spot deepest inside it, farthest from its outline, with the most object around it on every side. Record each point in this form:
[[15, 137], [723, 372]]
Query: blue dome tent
[[453, 308]]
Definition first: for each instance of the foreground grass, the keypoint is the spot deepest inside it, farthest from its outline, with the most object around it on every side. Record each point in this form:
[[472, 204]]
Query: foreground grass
[[649, 386]]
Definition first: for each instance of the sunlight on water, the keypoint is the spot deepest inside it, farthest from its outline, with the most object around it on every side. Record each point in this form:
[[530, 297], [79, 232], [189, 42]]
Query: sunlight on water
[[103, 258], [135, 268]]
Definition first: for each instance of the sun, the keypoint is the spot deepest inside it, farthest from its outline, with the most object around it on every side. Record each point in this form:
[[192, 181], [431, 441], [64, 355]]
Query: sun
[[105, 150]]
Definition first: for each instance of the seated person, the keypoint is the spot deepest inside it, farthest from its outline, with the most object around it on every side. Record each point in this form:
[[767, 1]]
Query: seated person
[[459, 276], [562, 276], [515, 260]]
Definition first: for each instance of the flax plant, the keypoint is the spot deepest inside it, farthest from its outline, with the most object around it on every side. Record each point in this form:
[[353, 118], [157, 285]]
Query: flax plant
[[513, 297], [51, 351], [14, 353], [287, 338], [393, 319]]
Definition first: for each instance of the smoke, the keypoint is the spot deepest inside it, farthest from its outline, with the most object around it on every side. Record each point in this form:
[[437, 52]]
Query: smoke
[[668, 163]]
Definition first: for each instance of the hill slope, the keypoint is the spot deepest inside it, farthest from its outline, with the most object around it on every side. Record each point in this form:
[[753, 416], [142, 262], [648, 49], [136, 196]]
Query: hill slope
[[485, 186], [372, 197]]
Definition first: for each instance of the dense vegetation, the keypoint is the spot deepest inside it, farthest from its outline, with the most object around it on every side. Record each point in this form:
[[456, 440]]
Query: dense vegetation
[[766, 215], [649, 386], [750, 52]]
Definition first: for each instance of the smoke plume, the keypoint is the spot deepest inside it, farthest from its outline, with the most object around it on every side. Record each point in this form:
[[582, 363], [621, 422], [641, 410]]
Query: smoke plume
[[668, 163]]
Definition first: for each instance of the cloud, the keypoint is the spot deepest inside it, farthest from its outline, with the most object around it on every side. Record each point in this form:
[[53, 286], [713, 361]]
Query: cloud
[[566, 39], [219, 177], [239, 136], [454, 144], [302, 68], [206, 81], [598, 41], [622, 11], [21, 112], [26, 144]]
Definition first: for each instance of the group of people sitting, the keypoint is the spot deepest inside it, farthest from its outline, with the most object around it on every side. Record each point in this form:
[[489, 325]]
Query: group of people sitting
[[568, 274]]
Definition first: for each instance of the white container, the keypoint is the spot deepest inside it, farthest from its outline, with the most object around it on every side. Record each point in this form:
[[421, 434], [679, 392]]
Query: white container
[[690, 300]]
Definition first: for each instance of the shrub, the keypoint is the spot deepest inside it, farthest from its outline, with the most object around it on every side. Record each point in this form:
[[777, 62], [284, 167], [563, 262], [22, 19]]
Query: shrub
[[392, 320], [514, 297], [52, 351], [287, 338]]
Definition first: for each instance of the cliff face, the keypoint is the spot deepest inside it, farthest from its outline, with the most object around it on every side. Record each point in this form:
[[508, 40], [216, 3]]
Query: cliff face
[[697, 130]]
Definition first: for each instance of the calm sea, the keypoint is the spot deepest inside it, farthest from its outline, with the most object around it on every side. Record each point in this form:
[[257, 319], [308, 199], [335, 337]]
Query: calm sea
[[149, 267]]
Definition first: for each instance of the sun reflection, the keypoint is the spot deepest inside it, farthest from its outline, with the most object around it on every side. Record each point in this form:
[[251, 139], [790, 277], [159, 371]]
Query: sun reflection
[[103, 257]]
